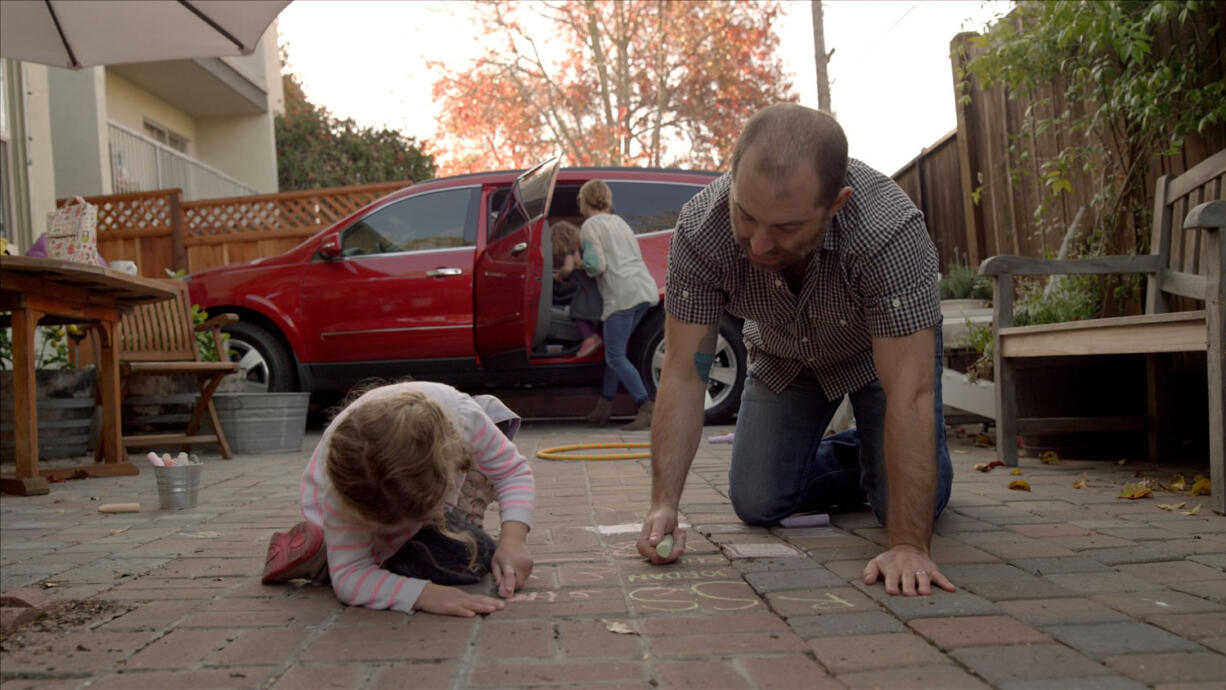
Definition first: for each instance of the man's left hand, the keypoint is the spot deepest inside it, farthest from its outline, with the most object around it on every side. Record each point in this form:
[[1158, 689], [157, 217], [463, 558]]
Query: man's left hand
[[908, 570]]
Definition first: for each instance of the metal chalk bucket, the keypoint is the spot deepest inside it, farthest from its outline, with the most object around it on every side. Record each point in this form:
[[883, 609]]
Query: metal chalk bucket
[[178, 486]]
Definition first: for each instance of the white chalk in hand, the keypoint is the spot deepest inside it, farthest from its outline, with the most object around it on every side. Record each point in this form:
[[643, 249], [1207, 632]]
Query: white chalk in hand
[[665, 547], [119, 508]]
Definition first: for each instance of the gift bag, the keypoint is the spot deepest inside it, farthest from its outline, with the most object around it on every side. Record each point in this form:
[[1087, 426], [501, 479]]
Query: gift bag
[[72, 232]]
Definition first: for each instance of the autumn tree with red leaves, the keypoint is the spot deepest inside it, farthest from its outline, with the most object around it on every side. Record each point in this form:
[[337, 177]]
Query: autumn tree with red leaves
[[638, 83]]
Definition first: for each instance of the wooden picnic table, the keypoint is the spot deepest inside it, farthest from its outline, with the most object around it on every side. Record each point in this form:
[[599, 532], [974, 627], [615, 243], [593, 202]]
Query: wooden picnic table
[[62, 292]]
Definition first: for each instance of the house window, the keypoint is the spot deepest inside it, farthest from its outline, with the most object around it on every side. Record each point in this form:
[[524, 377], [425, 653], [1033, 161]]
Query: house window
[[165, 135]]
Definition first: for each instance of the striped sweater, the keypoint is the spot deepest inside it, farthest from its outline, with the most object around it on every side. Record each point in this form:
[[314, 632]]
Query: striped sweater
[[357, 549]]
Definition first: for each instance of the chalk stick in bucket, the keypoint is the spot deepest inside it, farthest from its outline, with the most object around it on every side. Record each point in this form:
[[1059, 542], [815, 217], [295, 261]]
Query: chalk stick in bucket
[[119, 508]]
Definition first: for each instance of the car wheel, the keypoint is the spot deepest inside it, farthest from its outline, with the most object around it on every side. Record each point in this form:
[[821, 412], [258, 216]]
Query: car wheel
[[727, 378], [262, 360]]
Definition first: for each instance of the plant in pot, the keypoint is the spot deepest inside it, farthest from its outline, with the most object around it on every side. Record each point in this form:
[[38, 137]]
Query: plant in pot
[[65, 394]]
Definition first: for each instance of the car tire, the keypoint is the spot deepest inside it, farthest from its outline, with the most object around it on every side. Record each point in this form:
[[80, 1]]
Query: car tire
[[264, 363], [728, 372]]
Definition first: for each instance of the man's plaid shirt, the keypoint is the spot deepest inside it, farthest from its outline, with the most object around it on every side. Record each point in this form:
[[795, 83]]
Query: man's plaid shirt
[[875, 275]]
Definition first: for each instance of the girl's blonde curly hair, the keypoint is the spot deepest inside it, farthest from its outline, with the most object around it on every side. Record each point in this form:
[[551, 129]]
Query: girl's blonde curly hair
[[393, 458]]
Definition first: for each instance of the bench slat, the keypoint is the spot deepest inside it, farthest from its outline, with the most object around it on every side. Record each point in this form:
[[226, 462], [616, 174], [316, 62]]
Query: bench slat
[[1173, 332]]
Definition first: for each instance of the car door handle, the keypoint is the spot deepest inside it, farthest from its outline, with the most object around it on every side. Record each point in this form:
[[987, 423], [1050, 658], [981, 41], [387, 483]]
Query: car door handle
[[439, 272], [519, 247]]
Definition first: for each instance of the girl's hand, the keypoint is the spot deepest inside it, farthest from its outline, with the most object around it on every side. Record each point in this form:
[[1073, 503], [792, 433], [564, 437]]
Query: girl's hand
[[512, 564], [449, 601]]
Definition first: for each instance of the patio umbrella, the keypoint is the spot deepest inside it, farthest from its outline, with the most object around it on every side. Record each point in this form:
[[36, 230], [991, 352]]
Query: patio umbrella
[[84, 33]]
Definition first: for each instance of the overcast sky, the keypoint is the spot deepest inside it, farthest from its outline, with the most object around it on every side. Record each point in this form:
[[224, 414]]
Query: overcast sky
[[891, 81]]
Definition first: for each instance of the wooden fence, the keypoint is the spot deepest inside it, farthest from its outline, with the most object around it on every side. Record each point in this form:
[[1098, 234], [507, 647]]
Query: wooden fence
[[975, 161], [160, 231]]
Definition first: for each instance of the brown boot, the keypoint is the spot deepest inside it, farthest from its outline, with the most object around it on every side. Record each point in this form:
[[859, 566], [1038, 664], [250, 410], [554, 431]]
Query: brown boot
[[642, 420], [600, 414]]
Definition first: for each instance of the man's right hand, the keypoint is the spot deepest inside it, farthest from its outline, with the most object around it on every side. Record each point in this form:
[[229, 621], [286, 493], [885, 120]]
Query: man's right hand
[[660, 522]]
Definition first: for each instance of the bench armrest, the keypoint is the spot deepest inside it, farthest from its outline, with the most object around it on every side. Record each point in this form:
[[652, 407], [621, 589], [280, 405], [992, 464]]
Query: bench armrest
[[1210, 215], [1007, 265], [219, 320]]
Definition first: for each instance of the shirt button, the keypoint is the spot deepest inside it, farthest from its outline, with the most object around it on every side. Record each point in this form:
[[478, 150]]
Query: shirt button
[[897, 302], [842, 322], [685, 293], [804, 340], [778, 283]]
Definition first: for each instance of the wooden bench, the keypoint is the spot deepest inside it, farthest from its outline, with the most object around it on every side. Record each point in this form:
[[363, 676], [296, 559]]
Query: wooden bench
[[1186, 261], [160, 339]]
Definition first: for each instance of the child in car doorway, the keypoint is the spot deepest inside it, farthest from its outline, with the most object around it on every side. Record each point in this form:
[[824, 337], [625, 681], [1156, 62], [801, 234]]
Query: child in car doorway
[[585, 302], [394, 497]]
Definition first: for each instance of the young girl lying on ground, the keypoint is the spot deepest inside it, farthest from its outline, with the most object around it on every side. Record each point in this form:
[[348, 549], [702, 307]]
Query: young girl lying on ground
[[394, 498]]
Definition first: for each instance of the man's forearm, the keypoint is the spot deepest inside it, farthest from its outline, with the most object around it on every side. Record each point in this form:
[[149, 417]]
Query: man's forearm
[[911, 470], [675, 430]]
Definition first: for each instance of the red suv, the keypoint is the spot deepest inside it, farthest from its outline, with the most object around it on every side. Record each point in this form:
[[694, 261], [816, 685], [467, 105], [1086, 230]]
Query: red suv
[[451, 280]]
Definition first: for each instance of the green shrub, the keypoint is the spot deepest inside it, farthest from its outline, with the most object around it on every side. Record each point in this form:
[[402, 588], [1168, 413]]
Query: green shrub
[[964, 282]]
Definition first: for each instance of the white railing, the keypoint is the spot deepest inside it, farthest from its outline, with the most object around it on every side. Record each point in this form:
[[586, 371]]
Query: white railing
[[140, 164]]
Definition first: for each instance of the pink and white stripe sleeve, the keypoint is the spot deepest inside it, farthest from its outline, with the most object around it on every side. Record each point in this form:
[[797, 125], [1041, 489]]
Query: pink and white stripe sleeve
[[497, 458]]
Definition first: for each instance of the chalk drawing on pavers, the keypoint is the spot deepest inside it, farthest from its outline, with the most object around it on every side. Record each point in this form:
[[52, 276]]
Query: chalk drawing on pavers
[[719, 596], [624, 528], [767, 550], [826, 602]]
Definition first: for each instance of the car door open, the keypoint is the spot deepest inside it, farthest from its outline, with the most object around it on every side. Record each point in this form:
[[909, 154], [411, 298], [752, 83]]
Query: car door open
[[510, 269]]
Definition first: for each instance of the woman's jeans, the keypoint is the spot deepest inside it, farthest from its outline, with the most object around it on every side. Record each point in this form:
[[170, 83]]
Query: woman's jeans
[[782, 465], [617, 330]]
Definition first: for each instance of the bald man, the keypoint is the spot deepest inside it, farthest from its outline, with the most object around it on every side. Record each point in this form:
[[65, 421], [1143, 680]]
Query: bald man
[[833, 272]]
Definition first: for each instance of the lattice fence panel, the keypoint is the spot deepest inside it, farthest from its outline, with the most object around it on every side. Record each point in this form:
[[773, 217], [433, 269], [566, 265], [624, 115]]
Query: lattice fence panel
[[285, 212]]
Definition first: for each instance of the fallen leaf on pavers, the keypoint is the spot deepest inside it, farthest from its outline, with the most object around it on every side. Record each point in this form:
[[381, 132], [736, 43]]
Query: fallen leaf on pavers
[[1122, 461], [1194, 511], [1172, 506], [1016, 471], [1081, 483], [1019, 485], [618, 627], [1200, 487], [1133, 490], [983, 440], [1178, 483], [1137, 473], [1049, 457], [987, 466], [204, 534]]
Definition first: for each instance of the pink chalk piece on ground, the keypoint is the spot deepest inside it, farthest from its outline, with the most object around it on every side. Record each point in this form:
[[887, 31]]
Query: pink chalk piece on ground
[[810, 520], [155, 460], [722, 438]]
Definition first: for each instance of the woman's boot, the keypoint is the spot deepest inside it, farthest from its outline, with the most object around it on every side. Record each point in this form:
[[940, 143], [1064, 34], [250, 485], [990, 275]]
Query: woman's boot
[[642, 420], [600, 414]]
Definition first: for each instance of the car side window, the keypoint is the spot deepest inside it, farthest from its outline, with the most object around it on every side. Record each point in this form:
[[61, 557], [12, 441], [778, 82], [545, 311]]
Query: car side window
[[434, 220], [505, 218], [650, 206]]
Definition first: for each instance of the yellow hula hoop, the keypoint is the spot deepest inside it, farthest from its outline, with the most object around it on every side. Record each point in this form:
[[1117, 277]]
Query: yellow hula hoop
[[558, 452]]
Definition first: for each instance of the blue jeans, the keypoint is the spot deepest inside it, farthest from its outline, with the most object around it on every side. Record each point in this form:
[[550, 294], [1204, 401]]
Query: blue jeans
[[781, 464], [617, 330]]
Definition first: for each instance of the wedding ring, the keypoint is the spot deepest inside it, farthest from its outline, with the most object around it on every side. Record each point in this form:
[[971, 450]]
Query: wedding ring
[[921, 572]]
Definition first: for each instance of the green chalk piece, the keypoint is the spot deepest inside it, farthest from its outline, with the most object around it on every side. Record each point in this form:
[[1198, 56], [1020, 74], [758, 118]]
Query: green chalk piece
[[665, 546]]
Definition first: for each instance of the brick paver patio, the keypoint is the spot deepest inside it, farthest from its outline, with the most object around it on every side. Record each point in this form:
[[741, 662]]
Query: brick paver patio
[[1059, 587]]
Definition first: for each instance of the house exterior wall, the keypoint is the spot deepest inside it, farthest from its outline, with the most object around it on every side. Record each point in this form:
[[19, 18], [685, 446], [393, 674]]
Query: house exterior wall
[[29, 165], [242, 146], [130, 106], [78, 125]]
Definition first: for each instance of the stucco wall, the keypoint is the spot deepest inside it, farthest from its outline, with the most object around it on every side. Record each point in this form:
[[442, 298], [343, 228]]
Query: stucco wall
[[130, 105], [78, 115]]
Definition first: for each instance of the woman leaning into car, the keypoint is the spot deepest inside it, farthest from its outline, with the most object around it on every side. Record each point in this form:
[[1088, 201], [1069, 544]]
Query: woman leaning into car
[[611, 256]]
